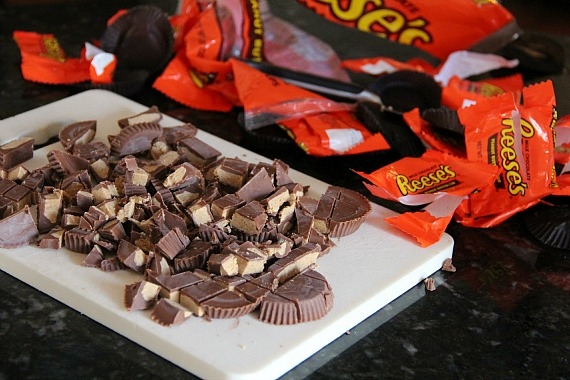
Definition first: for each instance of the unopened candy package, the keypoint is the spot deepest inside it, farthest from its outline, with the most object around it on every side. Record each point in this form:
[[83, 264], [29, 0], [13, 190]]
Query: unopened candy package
[[518, 139]]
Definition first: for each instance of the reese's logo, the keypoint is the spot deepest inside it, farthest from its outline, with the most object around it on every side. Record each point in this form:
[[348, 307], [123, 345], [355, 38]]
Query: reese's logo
[[373, 17], [430, 182], [507, 153]]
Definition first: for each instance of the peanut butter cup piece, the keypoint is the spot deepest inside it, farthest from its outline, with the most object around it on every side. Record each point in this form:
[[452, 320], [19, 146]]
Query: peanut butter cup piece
[[78, 133], [227, 305], [171, 284], [169, 313], [311, 304], [192, 297], [65, 163], [151, 115], [135, 138], [250, 218], [278, 310], [16, 152], [197, 151], [257, 187], [140, 295], [173, 135]]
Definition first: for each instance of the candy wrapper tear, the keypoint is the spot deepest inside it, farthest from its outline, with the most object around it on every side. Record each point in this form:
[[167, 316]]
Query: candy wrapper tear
[[437, 180]]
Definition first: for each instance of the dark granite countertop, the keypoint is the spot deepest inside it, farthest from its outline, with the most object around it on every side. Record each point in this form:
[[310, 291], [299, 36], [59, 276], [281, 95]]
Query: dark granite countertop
[[505, 313]]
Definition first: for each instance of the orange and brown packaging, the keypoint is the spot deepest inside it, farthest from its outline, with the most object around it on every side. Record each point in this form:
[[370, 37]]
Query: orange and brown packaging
[[519, 140], [437, 27], [44, 60], [436, 179]]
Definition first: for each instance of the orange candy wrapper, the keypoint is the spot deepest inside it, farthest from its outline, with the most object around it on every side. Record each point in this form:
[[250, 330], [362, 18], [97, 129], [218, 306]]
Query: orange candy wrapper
[[461, 93], [268, 100], [44, 61], [337, 133], [519, 140], [439, 28], [437, 179]]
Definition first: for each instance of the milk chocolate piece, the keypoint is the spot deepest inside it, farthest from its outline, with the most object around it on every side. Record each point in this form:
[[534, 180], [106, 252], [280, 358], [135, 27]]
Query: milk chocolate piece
[[167, 221], [20, 195], [429, 284], [187, 195], [194, 256], [53, 239], [5, 185], [250, 259], [94, 258], [225, 264], [92, 151], [100, 170], [200, 212], [298, 260], [230, 282], [252, 292], [172, 243], [16, 152], [213, 233], [198, 152], [257, 187], [17, 173], [18, 229], [112, 264], [49, 210], [274, 201], [323, 213], [171, 284], [278, 310], [278, 248], [78, 133], [232, 172], [250, 218], [151, 115], [132, 256], [448, 266], [169, 313], [141, 295], [311, 304], [173, 135], [350, 210], [65, 163], [135, 138], [79, 240], [225, 206], [191, 297], [183, 176], [308, 204], [227, 305], [34, 181]]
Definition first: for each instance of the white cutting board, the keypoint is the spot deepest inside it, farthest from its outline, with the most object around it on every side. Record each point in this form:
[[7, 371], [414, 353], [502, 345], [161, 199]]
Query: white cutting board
[[366, 270]]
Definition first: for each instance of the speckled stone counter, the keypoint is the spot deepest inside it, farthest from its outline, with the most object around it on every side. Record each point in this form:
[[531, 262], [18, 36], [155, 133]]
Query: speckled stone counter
[[505, 313]]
